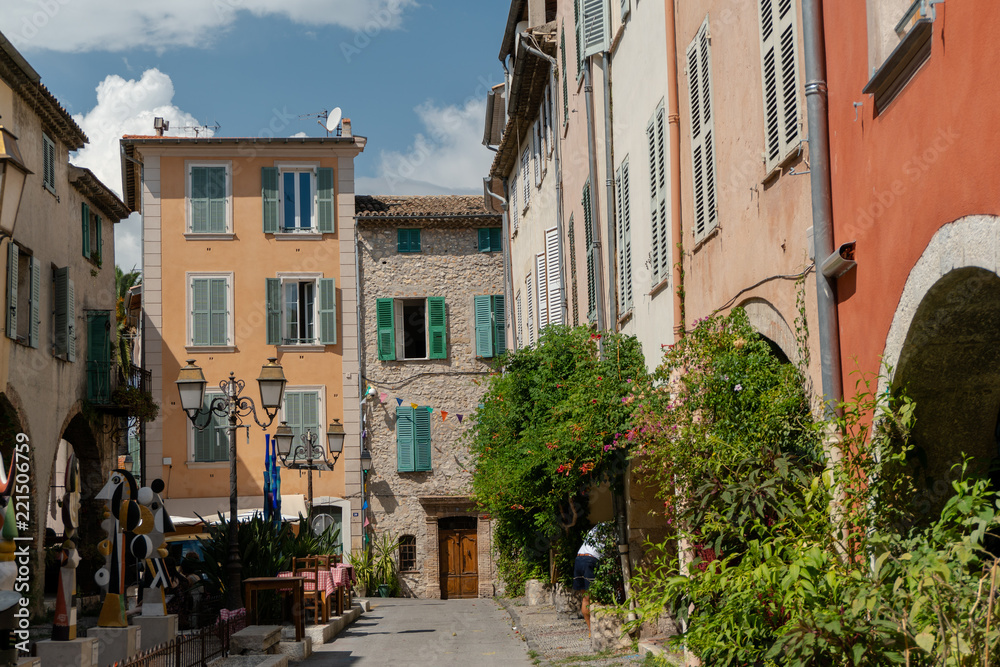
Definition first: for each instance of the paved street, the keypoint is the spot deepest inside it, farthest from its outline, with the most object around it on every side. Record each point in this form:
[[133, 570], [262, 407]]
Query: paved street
[[400, 631]]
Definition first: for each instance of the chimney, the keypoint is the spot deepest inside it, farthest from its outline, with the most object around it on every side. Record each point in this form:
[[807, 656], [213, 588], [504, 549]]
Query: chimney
[[345, 126]]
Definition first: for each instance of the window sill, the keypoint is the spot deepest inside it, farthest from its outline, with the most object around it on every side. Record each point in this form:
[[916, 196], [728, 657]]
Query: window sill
[[203, 236], [623, 320], [209, 349], [298, 236], [659, 287], [207, 465], [709, 235], [904, 61], [302, 348], [781, 163]]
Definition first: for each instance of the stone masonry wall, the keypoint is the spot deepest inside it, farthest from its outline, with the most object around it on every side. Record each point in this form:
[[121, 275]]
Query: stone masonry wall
[[449, 265]]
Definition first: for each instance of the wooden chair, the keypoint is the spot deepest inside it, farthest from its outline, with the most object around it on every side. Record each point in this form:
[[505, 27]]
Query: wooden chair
[[308, 567]]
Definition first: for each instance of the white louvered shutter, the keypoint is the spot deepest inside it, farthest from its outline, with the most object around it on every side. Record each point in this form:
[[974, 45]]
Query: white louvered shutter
[[779, 76], [525, 176], [520, 321], [553, 273], [595, 27], [624, 237], [536, 149], [531, 310], [543, 292], [515, 212], [699, 73]]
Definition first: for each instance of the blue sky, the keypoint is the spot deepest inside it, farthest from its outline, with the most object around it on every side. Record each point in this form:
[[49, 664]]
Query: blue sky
[[411, 74]]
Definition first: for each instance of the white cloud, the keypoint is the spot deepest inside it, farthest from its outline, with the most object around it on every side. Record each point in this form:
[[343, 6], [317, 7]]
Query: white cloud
[[446, 158], [126, 107], [114, 25]]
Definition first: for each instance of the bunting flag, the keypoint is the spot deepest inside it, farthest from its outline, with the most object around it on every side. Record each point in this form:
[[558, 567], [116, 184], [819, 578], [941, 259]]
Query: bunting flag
[[364, 505], [444, 415], [430, 410], [414, 406], [366, 523], [399, 401], [459, 419], [383, 397]]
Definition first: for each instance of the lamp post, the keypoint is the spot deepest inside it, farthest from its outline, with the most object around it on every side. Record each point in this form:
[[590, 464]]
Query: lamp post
[[13, 174], [366, 466], [310, 455], [232, 404]]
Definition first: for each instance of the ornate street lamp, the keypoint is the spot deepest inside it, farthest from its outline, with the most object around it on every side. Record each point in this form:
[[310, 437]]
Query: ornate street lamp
[[233, 405], [13, 174], [310, 455]]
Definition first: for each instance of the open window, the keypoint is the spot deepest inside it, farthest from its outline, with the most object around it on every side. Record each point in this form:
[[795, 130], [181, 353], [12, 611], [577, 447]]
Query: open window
[[297, 199], [301, 310], [412, 328]]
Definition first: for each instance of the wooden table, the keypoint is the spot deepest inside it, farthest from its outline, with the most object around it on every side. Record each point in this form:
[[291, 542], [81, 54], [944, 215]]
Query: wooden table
[[295, 584]]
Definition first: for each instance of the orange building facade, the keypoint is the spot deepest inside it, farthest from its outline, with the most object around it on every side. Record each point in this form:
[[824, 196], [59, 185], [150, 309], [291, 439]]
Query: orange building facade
[[248, 253]]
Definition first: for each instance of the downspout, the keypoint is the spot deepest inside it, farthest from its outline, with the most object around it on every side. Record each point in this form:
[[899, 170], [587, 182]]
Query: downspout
[[822, 202], [674, 122], [609, 186], [588, 89], [556, 151], [508, 287]]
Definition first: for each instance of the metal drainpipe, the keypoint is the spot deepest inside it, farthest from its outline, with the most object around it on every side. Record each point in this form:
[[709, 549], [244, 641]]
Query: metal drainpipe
[[822, 202], [588, 90], [674, 121], [609, 183], [508, 286], [556, 157]]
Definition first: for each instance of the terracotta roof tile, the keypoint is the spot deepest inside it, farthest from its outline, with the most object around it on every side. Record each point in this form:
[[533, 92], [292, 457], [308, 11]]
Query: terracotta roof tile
[[430, 206]]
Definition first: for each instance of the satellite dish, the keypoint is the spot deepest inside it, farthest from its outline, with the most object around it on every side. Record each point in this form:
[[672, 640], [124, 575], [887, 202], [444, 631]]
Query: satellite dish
[[334, 119]]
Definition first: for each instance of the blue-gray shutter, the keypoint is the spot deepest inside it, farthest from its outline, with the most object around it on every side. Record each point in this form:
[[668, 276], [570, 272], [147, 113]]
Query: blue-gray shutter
[[325, 199], [327, 311], [199, 199], [484, 326], [269, 198], [422, 439], [36, 296], [12, 259], [70, 320], [499, 325], [61, 322], [272, 297], [404, 438], [216, 199], [201, 312], [218, 313]]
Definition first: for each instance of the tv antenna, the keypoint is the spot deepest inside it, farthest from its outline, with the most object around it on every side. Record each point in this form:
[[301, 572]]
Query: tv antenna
[[329, 120]]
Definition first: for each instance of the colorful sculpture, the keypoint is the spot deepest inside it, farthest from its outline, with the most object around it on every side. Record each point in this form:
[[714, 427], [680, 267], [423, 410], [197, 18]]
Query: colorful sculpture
[[8, 569], [155, 579], [122, 517], [64, 624]]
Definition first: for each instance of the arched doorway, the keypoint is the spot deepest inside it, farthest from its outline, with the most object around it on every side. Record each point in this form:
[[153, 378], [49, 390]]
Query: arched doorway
[[949, 364], [78, 438], [458, 556]]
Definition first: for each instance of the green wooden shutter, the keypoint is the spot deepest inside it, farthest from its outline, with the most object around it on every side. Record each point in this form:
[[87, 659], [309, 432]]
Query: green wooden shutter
[[437, 327], [99, 356], [36, 296], [386, 329], [591, 259], [218, 315], [70, 320], [496, 239], [216, 205], [484, 240], [499, 325], [86, 229], [422, 439], [484, 326], [201, 326], [404, 439], [324, 192], [310, 417], [61, 322], [269, 198], [272, 298], [100, 243], [199, 199], [12, 259], [327, 311], [203, 438], [565, 77]]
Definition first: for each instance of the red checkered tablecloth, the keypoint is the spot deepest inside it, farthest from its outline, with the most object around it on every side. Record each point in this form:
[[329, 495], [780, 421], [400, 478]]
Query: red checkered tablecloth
[[325, 580]]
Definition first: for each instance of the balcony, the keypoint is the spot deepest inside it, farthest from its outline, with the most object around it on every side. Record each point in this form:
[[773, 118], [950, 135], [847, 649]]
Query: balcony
[[108, 382]]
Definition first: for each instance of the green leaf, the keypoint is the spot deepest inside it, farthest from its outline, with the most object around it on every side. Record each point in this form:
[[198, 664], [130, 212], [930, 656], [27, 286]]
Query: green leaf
[[925, 640]]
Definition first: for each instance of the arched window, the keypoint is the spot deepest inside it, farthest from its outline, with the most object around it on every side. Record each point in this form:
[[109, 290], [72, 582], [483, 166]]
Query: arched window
[[407, 553]]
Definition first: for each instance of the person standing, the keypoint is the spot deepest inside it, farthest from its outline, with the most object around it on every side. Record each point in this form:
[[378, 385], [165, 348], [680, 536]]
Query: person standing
[[583, 570]]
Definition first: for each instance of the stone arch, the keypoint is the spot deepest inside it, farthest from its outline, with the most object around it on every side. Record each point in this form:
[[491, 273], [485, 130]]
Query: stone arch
[[11, 423], [770, 324], [943, 348]]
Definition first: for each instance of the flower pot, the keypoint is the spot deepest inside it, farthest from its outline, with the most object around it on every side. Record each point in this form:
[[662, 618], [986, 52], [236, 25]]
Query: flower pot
[[383, 590]]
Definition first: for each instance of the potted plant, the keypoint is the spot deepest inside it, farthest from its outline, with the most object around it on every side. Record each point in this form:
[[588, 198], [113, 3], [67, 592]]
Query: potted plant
[[364, 570], [384, 548]]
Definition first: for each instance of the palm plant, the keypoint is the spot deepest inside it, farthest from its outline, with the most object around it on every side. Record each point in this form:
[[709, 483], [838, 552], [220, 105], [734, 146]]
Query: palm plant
[[123, 283]]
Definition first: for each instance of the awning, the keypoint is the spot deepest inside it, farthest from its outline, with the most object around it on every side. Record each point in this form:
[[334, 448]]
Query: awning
[[185, 511]]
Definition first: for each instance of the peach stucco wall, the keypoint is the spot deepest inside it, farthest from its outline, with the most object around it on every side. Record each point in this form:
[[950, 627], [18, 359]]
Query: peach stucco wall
[[925, 161]]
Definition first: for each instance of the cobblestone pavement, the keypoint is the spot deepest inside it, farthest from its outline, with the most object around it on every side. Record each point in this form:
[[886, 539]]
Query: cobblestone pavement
[[557, 641]]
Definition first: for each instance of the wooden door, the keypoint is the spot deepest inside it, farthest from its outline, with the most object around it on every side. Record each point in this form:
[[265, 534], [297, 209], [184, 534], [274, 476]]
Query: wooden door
[[459, 560]]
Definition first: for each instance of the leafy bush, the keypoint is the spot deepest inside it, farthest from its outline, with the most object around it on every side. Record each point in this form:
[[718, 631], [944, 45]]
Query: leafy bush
[[543, 435], [608, 586]]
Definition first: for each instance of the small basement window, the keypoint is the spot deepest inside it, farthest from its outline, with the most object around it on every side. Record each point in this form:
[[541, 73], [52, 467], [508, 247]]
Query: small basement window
[[407, 553]]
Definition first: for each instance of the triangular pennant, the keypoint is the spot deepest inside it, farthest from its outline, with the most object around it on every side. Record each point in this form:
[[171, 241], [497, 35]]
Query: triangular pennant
[[459, 419], [414, 406], [430, 410], [399, 401], [383, 397], [364, 505], [444, 415], [365, 524]]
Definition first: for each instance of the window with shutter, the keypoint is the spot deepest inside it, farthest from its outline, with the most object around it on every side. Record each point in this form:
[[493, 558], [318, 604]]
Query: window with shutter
[[553, 273], [36, 297], [48, 163], [525, 176], [209, 310], [301, 309], [624, 237], [64, 323], [578, 25], [570, 232], [407, 240], [13, 258], [595, 27], [778, 50], [437, 328], [515, 211], [85, 228], [588, 230], [490, 239], [99, 356], [536, 148], [565, 77], [520, 322], [325, 200], [302, 411], [404, 438], [531, 309], [208, 198], [272, 297], [269, 199], [211, 443], [327, 311], [659, 255], [499, 306], [542, 283], [422, 439], [699, 71], [483, 315]]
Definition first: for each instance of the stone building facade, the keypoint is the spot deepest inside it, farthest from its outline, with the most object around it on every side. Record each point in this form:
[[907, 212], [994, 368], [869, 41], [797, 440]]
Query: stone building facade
[[432, 313]]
